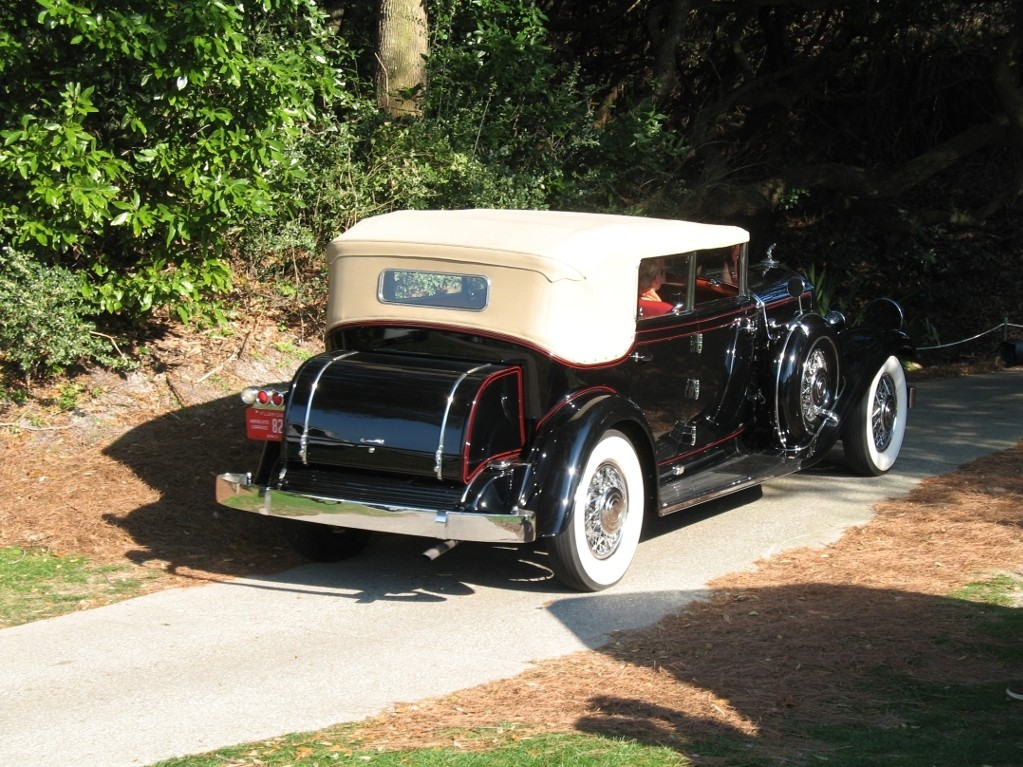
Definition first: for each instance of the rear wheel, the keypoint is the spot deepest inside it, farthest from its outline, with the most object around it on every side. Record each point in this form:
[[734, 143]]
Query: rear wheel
[[601, 536], [873, 436], [324, 543]]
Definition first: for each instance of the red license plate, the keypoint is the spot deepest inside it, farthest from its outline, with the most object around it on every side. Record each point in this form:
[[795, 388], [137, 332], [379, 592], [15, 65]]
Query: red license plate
[[264, 425]]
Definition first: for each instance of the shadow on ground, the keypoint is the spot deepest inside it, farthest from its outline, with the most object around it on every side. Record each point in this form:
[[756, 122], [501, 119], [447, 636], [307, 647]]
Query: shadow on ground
[[851, 653], [800, 671], [795, 674], [178, 455]]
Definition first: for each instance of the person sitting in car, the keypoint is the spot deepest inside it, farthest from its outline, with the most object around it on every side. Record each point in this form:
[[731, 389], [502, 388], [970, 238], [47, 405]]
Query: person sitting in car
[[651, 277]]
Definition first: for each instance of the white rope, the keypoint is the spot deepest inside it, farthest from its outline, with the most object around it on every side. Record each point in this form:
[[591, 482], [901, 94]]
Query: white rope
[[1000, 326]]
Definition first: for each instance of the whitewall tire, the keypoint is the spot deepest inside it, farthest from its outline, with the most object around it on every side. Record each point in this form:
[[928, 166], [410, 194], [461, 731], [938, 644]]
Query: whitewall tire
[[877, 425], [600, 539]]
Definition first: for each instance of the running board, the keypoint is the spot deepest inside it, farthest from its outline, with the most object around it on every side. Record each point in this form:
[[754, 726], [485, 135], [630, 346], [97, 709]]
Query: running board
[[730, 476]]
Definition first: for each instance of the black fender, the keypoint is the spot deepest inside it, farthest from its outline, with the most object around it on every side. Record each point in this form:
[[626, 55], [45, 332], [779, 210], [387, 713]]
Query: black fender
[[806, 379], [562, 446], [866, 346], [864, 350]]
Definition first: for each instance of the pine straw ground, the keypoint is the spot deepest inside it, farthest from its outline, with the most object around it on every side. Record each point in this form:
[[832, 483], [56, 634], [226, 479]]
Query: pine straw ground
[[127, 475]]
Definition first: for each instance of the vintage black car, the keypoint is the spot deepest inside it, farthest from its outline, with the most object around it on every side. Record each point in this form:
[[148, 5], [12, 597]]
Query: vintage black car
[[510, 376]]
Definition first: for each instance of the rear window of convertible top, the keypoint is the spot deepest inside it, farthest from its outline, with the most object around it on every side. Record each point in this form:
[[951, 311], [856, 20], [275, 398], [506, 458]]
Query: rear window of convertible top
[[444, 290]]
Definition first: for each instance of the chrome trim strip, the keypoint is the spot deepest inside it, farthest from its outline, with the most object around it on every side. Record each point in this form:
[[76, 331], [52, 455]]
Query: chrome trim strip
[[303, 441], [237, 492], [438, 457]]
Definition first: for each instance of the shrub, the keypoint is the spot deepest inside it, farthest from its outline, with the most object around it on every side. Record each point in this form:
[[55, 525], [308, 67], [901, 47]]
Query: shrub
[[44, 324], [136, 137]]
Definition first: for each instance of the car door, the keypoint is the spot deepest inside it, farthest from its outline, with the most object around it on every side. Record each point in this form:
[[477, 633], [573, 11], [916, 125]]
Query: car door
[[690, 370]]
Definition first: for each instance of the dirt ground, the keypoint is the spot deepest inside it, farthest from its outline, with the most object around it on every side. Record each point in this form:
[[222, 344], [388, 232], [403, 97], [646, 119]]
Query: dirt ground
[[124, 473]]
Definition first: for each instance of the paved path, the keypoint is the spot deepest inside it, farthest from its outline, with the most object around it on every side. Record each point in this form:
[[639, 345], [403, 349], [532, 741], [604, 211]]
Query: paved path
[[189, 670]]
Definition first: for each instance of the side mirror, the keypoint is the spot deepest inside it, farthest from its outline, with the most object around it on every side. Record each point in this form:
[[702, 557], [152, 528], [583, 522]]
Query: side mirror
[[796, 286]]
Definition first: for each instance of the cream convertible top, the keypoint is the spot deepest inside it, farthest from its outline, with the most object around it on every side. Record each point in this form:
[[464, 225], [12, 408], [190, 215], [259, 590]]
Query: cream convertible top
[[565, 282]]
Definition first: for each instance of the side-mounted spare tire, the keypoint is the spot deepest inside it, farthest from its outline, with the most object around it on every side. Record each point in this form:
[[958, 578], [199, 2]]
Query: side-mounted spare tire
[[806, 379]]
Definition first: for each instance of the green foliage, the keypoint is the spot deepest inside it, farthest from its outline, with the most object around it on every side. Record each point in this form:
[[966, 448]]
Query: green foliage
[[136, 138], [142, 145], [505, 124], [63, 182], [823, 288], [369, 165], [503, 96], [44, 319], [418, 165], [632, 164], [68, 396], [159, 283], [497, 87], [491, 120]]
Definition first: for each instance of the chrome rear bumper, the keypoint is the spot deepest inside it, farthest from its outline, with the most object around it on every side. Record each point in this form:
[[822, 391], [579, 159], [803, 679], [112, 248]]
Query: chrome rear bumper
[[237, 492]]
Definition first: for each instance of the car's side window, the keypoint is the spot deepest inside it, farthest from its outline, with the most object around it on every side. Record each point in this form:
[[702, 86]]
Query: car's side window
[[717, 274], [664, 285]]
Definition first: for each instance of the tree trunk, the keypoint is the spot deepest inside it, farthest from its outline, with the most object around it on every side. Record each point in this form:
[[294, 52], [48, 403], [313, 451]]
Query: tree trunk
[[666, 40], [401, 64]]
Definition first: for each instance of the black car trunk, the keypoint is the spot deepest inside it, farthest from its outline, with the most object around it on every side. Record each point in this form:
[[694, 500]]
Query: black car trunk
[[403, 414]]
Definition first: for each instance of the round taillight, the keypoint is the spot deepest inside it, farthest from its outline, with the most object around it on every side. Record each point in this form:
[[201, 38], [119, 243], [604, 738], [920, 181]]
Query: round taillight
[[262, 398], [277, 398]]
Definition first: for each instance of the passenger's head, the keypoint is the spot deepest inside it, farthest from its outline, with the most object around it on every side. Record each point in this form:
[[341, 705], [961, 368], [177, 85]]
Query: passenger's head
[[651, 274]]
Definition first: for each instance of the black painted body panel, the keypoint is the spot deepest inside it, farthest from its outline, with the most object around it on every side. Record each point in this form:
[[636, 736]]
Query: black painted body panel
[[401, 414]]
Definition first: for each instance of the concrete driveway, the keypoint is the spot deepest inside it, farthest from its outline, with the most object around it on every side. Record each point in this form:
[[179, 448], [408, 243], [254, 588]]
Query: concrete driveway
[[190, 670]]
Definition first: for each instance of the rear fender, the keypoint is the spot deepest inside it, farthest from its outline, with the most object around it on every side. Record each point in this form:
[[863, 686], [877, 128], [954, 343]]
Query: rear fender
[[562, 446]]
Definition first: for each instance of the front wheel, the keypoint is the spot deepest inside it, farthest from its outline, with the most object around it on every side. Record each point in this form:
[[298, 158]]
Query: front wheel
[[873, 436], [598, 542], [324, 543]]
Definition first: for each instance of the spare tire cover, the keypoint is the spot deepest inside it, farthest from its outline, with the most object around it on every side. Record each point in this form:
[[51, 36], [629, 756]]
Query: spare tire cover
[[806, 379]]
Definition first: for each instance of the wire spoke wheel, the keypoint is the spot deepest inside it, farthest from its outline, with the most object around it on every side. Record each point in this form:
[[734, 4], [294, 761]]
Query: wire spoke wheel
[[806, 384], [883, 413], [600, 538], [876, 427], [607, 506]]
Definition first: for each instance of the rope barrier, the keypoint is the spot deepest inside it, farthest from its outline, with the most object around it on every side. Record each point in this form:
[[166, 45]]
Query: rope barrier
[[1003, 326]]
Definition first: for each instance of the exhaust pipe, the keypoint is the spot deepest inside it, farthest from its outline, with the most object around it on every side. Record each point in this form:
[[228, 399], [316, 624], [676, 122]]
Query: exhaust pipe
[[441, 548]]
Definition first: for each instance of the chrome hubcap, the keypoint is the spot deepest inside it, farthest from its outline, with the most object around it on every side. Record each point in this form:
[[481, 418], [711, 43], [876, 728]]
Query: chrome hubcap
[[815, 389], [883, 413], [607, 506]]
